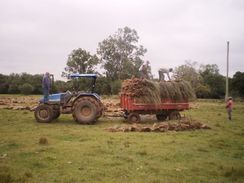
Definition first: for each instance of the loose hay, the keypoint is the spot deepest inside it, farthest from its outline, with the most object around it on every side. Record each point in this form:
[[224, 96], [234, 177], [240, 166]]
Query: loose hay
[[147, 91], [183, 125]]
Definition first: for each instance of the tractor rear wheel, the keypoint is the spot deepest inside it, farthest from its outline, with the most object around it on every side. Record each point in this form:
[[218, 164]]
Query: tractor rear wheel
[[85, 111], [134, 118], [44, 113]]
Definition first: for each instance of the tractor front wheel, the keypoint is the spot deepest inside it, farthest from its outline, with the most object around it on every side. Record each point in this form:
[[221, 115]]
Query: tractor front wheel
[[44, 113]]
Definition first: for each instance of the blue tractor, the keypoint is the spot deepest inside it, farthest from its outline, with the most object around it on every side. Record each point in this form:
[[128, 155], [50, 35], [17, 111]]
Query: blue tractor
[[85, 107]]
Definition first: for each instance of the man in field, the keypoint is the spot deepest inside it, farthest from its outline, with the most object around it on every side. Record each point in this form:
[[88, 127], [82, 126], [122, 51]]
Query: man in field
[[229, 107], [163, 71], [46, 86]]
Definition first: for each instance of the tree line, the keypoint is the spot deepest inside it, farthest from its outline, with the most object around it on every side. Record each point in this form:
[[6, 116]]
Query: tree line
[[121, 57]]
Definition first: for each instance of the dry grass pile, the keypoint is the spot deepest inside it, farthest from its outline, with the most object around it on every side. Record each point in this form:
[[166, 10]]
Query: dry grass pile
[[183, 125], [176, 90], [147, 91]]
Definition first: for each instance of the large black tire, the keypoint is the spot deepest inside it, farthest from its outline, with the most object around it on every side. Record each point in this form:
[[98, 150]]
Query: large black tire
[[85, 111], [174, 115], [134, 118], [161, 117], [44, 113]]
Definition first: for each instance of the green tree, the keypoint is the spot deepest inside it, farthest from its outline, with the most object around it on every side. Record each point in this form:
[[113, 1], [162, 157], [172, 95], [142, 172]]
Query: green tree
[[189, 72], [203, 91], [103, 86], [121, 55], [3, 83], [61, 86], [26, 89], [80, 61], [36, 82], [212, 78], [14, 82], [237, 83]]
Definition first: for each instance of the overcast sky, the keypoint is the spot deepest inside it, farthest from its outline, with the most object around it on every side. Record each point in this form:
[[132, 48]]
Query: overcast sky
[[38, 35]]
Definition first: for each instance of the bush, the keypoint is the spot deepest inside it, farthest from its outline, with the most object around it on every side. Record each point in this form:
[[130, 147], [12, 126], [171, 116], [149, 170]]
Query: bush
[[203, 91], [13, 89], [26, 89], [115, 87]]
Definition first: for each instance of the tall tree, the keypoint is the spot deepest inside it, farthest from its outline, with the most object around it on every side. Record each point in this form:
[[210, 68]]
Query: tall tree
[[80, 61], [121, 55]]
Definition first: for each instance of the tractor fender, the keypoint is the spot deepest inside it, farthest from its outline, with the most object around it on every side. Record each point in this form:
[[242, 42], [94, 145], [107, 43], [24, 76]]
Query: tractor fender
[[94, 95]]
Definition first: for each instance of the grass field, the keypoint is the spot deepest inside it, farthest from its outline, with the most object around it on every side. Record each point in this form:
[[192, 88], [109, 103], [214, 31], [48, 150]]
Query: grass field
[[78, 153]]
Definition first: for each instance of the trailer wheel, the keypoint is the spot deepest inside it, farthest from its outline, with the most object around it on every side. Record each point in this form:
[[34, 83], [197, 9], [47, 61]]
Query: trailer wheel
[[134, 118], [44, 113], [161, 117], [174, 115]]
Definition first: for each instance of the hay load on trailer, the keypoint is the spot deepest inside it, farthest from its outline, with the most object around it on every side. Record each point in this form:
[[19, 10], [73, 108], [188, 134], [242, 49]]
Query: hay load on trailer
[[153, 92], [164, 98]]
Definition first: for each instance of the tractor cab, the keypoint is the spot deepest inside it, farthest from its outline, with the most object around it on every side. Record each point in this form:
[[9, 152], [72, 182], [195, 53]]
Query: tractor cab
[[76, 90]]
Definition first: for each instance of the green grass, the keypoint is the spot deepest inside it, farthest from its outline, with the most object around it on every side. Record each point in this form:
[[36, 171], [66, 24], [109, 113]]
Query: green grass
[[88, 153]]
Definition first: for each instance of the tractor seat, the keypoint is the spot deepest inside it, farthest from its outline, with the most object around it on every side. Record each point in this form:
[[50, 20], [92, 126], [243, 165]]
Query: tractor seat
[[65, 97]]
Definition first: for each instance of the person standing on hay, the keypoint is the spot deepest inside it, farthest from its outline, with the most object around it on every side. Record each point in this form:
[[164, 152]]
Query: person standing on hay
[[163, 71], [144, 72], [229, 107]]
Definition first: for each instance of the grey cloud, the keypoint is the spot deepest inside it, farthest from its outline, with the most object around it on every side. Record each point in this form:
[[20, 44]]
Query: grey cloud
[[36, 36]]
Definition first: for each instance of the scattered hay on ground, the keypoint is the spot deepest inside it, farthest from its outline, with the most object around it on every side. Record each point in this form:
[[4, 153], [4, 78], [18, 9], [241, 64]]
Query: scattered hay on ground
[[182, 125]]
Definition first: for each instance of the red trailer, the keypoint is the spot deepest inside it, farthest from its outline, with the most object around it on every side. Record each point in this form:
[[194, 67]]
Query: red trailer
[[168, 108]]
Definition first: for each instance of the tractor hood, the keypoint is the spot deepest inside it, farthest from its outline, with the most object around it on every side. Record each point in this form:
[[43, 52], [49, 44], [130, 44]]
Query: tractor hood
[[53, 98]]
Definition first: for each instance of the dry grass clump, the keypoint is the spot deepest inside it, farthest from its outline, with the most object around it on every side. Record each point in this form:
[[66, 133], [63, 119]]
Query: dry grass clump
[[43, 141]]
